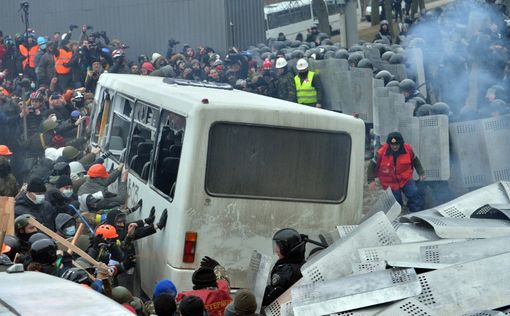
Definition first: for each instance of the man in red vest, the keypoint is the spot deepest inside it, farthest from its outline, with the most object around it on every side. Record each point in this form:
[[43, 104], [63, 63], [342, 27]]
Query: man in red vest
[[394, 164], [211, 284]]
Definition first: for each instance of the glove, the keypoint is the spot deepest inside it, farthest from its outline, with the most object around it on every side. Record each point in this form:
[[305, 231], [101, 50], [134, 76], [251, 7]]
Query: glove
[[152, 217], [162, 219], [129, 263], [208, 262]]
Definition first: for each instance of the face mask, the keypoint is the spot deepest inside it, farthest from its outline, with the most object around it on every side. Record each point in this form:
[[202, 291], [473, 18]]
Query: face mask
[[67, 193], [39, 199], [70, 231]]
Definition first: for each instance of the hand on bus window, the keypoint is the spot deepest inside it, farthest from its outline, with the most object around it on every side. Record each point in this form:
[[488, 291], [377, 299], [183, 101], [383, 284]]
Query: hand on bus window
[[95, 150], [318, 105], [131, 229], [208, 262], [125, 173], [372, 185], [120, 166]]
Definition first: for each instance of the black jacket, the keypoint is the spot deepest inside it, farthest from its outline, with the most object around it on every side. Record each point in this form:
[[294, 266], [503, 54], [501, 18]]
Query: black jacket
[[44, 213], [285, 273]]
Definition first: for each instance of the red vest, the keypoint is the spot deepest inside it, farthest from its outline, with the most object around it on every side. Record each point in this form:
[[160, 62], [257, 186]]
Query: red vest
[[394, 175], [29, 54], [215, 300]]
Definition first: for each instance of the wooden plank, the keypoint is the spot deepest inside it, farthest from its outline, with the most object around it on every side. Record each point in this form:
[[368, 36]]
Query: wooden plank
[[99, 265], [76, 236]]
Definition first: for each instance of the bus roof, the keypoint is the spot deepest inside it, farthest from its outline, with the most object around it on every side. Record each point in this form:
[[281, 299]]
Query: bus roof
[[284, 5], [156, 91], [35, 293]]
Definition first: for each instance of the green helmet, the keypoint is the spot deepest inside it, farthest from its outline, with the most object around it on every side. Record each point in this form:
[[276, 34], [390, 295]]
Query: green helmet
[[121, 295], [48, 125], [70, 153], [21, 221]]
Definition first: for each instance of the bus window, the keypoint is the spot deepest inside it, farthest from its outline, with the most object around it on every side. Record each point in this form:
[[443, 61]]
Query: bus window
[[168, 152], [119, 134], [265, 162], [142, 140], [100, 129]]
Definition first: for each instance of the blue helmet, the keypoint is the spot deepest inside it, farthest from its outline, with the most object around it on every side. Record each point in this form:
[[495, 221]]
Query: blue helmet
[[41, 40]]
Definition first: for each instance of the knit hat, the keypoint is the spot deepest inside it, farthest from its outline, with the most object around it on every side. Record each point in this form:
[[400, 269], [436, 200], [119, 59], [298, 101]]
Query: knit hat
[[63, 181], [70, 153], [164, 286], [36, 185], [203, 278], [245, 303], [191, 305], [165, 304]]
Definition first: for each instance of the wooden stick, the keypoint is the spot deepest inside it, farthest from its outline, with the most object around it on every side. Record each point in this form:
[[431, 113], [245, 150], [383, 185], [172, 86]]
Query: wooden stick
[[99, 265], [4, 218], [76, 236], [9, 209]]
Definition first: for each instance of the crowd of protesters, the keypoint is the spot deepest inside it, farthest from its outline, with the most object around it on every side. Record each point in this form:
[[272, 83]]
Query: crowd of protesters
[[47, 85]]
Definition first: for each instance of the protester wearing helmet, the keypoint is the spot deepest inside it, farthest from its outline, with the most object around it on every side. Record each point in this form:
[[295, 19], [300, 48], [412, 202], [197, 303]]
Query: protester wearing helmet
[[285, 86], [409, 90], [98, 182], [289, 246], [23, 231], [394, 164], [33, 202], [44, 258], [308, 85], [384, 33]]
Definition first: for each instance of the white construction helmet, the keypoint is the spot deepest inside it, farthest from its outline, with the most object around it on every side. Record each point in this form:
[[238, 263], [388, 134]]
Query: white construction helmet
[[302, 64], [280, 63]]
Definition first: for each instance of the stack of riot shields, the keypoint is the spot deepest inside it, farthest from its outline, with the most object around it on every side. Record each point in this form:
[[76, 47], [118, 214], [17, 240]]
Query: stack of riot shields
[[449, 260]]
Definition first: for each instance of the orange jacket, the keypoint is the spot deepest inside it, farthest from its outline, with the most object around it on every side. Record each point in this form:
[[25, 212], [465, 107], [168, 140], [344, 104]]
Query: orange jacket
[[29, 54]]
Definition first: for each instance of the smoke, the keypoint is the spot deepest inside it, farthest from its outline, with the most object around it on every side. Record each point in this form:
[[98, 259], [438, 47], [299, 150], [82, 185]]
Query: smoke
[[465, 52]]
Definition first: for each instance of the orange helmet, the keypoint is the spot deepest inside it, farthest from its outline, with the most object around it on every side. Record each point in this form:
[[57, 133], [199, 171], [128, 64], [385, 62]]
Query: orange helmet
[[107, 231], [5, 248], [5, 151], [97, 171]]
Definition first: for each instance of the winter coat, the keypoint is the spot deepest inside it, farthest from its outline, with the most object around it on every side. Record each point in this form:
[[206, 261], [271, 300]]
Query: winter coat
[[44, 213], [215, 299], [285, 87], [110, 200], [284, 274], [45, 70]]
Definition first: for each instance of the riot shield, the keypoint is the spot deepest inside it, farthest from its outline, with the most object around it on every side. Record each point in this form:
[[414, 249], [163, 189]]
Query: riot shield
[[404, 255], [494, 211], [460, 252], [481, 284], [458, 228], [336, 260], [385, 120], [385, 203], [367, 267], [258, 274], [345, 230], [415, 59], [433, 149], [373, 54], [412, 232], [397, 70], [484, 313], [354, 291], [482, 148], [408, 307], [331, 72], [363, 84], [465, 205]]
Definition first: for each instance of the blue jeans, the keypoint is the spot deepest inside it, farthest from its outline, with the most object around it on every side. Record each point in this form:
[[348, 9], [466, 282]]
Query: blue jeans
[[414, 199]]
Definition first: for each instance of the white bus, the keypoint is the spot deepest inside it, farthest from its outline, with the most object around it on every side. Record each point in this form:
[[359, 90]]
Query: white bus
[[230, 167], [296, 16]]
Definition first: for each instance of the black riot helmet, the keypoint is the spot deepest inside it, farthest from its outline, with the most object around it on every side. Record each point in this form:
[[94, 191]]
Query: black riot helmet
[[14, 243], [440, 108], [290, 243], [44, 251], [365, 63], [76, 275], [37, 236], [385, 76]]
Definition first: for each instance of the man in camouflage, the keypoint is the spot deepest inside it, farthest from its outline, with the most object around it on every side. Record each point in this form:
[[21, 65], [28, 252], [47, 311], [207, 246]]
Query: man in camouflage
[[285, 87]]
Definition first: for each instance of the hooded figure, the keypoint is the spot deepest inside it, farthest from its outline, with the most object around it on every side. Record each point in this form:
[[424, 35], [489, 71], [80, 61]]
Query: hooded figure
[[65, 225]]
